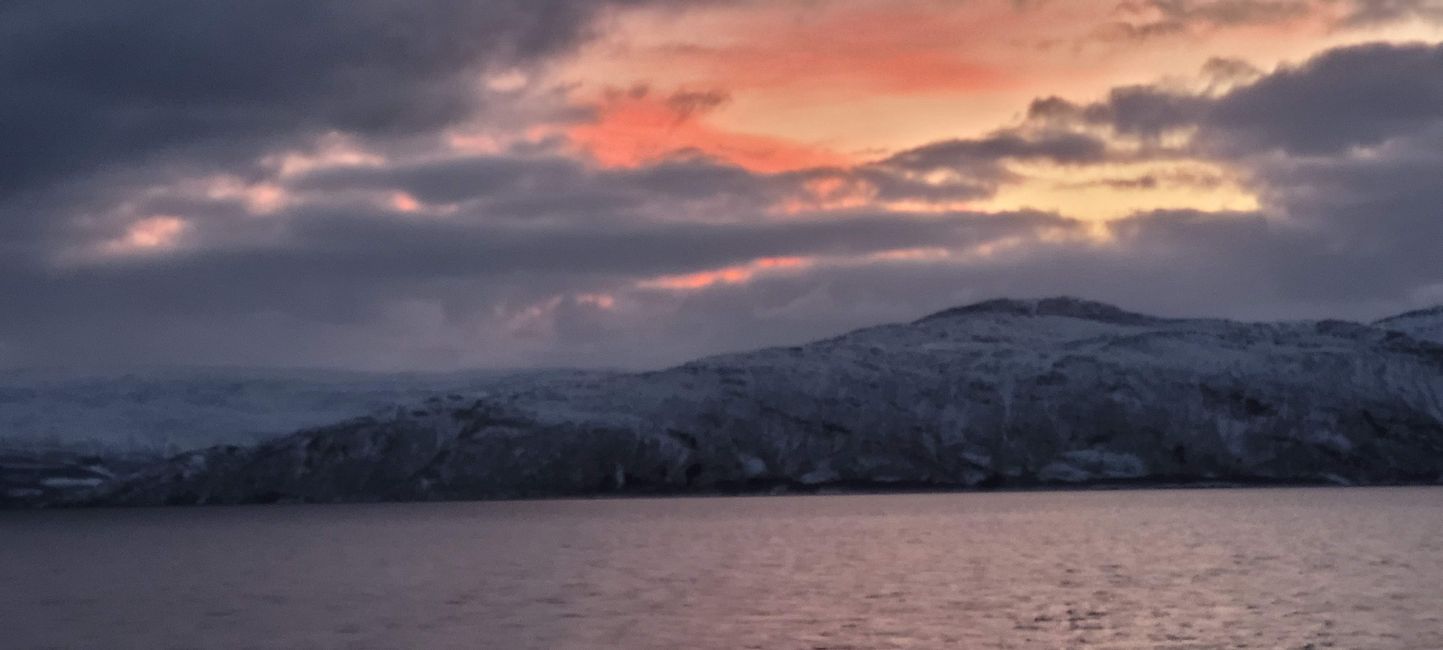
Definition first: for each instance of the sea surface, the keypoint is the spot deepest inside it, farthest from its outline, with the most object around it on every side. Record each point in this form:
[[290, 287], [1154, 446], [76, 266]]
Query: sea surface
[[1255, 568]]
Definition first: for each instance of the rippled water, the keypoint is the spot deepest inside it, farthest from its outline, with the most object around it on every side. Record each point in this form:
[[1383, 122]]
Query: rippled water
[[1346, 568]]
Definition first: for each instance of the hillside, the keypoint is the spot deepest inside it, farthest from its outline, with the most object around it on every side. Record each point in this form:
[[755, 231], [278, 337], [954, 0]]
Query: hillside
[[167, 411], [1425, 324], [1010, 393]]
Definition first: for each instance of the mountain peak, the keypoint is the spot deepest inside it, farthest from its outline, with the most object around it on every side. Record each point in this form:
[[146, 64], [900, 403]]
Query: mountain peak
[[1427, 312], [1425, 324], [1063, 306]]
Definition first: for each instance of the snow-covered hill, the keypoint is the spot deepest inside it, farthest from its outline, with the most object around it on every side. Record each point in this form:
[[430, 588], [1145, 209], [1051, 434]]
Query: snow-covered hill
[[1005, 392], [1426, 324], [167, 411]]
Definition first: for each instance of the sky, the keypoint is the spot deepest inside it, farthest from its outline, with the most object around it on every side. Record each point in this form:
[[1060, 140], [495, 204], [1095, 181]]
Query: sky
[[436, 185]]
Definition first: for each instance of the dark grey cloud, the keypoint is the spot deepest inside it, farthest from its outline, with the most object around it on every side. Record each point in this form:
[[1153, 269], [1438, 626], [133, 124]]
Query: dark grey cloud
[[1363, 13], [982, 154], [1140, 20], [455, 179], [974, 168], [1146, 111], [1384, 207], [1230, 69], [1155, 180], [85, 85], [511, 186], [1231, 12], [348, 271], [1140, 111], [1147, 19], [1356, 96], [689, 103]]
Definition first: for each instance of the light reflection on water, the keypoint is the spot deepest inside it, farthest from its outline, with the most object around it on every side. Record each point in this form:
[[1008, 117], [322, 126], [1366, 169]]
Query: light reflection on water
[[1346, 568]]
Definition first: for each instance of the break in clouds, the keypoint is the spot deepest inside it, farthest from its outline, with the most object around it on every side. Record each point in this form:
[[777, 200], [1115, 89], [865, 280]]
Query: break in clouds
[[272, 183]]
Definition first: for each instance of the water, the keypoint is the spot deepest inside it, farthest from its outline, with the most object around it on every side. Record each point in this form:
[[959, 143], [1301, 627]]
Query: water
[[1346, 568]]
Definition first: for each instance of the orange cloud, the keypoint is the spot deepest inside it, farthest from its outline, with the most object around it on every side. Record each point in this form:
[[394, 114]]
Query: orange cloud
[[884, 75], [881, 48], [635, 127], [837, 191], [159, 232], [728, 275], [598, 300], [886, 46], [404, 202], [918, 254]]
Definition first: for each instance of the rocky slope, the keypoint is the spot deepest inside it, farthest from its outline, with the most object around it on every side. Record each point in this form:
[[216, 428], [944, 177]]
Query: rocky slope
[[1055, 391]]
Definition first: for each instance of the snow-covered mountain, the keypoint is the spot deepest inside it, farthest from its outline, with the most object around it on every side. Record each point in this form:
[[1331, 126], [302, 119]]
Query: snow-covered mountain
[[1424, 324], [167, 411], [1007, 392], [63, 431]]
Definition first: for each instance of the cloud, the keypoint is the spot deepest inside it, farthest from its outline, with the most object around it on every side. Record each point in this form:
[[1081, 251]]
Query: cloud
[[694, 185], [1351, 97], [337, 270], [1148, 19], [1356, 96], [86, 85], [1141, 111], [635, 126], [981, 154], [1225, 71], [216, 222], [1364, 13]]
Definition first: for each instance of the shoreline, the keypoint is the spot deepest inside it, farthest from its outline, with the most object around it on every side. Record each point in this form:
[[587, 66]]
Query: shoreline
[[779, 490]]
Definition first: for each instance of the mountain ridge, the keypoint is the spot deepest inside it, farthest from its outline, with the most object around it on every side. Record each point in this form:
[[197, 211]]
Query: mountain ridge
[[1065, 306], [1426, 324], [1000, 393]]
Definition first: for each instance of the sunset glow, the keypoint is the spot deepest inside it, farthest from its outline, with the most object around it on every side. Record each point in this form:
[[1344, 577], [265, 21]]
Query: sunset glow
[[634, 128], [728, 275], [634, 183], [148, 235], [764, 323]]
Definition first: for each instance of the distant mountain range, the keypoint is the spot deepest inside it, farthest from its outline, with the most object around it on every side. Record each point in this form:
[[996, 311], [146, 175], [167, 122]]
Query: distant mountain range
[[164, 411], [65, 431], [1005, 393]]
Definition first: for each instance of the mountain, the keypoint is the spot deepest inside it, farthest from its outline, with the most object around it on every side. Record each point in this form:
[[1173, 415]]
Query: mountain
[[1425, 324], [1001, 393], [158, 412], [64, 432], [40, 476]]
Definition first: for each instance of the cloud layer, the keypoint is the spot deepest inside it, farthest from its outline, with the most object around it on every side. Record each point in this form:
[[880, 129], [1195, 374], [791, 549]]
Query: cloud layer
[[349, 184]]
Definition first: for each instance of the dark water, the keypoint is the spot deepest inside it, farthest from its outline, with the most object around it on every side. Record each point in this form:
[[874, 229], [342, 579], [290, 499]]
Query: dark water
[[1346, 568]]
